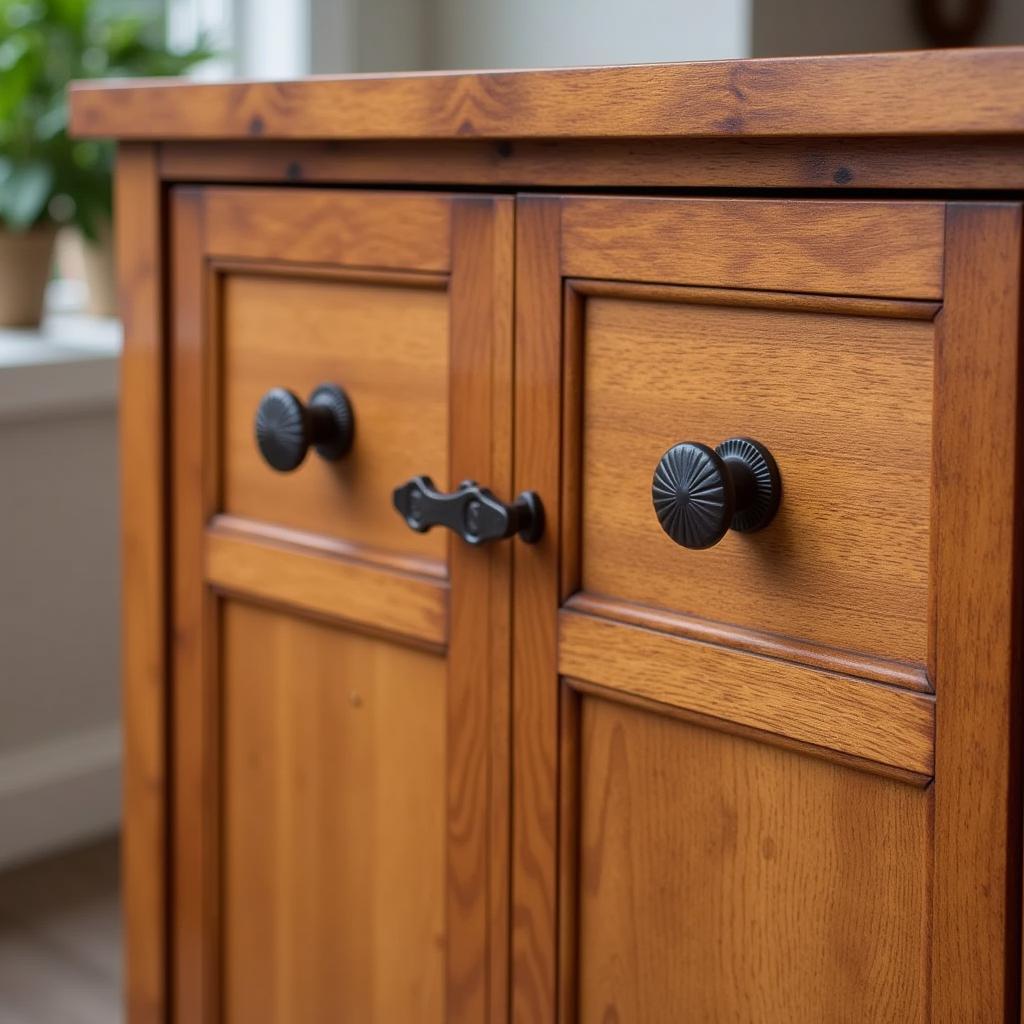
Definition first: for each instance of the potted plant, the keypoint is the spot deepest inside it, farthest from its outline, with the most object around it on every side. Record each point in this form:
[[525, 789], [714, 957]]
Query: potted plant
[[47, 179]]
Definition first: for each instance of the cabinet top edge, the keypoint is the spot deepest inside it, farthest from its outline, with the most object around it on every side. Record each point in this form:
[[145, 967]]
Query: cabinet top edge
[[920, 93]]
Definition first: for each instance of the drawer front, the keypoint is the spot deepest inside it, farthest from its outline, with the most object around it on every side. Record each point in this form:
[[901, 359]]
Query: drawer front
[[325, 290], [386, 345], [337, 809], [674, 341], [765, 775], [839, 391]]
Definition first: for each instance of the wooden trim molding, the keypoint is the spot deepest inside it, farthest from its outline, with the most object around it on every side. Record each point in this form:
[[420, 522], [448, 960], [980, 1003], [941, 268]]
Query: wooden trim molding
[[144, 651], [925, 93], [978, 608], [835, 165], [857, 718], [848, 247], [342, 589], [381, 229]]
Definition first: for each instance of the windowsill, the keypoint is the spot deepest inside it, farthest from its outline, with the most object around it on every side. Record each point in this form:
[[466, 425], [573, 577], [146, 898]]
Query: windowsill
[[66, 366]]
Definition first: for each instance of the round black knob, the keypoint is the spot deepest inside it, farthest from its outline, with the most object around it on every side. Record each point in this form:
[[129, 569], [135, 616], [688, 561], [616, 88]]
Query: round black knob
[[285, 428], [699, 493]]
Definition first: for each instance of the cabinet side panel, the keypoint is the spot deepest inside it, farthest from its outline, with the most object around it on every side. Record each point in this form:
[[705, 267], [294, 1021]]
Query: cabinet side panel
[[144, 580]]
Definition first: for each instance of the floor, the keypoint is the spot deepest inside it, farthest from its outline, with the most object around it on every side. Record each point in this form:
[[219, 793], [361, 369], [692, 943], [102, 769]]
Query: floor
[[60, 939]]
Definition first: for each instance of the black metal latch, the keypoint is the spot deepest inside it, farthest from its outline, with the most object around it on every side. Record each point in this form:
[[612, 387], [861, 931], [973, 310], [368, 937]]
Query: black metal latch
[[471, 511]]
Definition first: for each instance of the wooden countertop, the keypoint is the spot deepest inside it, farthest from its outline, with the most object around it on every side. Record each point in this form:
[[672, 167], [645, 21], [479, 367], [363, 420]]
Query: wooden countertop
[[925, 93]]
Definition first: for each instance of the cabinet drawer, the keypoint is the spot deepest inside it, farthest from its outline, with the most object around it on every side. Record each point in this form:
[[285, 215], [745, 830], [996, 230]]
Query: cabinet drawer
[[838, 388], [839, 391], [386, 345], [321, 287]]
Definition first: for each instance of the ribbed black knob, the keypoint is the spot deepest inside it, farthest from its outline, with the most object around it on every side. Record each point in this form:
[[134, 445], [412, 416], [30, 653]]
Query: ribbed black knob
[[285, 428], [700, 493]]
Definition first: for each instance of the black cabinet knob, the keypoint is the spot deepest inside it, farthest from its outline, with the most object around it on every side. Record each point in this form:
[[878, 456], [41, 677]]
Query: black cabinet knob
[[285, 428], [472, 511], [699, 493]]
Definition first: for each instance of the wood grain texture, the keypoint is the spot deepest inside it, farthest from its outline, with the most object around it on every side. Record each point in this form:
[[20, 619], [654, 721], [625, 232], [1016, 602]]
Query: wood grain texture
[[535, 750], [978, 619], [387, 346], [334, 844], [195, 704], [343, 589], [772, 645], [743, 882], [850, 248], [299, 568], [843, 402], [144, 582], [950, 92], [383, 229], [479, 653], [863, 719], [835, 164]]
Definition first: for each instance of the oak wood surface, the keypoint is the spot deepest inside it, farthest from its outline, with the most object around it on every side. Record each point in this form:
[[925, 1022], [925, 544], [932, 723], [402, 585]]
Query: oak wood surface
[[387, 347], [925, 93], [194, 720], [837, 165], [344, 589], [866, 720], [535, 600], [479, 652], [334, 838], [743, 882], [144, 651], [850, 248], [978, 615], [383, 229], [843, 402], [306, 581], [774, 645], [959, 953]]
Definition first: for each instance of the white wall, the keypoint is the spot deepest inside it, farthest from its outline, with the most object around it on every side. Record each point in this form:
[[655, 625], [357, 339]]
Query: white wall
[[552, 33], [59, 584], [403, 35]]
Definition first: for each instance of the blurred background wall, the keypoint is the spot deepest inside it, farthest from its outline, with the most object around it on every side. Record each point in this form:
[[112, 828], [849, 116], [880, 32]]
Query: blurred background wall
[[283, 38]]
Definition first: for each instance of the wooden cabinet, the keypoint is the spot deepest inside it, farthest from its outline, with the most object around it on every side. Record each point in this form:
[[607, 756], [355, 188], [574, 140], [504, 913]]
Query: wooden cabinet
[[377, 774], [337, 762]]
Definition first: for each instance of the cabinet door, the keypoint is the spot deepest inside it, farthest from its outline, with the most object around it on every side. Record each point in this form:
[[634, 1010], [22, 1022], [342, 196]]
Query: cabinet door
[[340, 683], [771, 779]]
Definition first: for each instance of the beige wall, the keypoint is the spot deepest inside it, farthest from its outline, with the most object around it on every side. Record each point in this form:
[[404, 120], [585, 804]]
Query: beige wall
[[789, 27], [59, 586]]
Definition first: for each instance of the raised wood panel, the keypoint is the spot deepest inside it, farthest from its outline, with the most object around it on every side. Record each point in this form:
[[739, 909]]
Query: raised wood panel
[[950, 92], [850, 248], [862, 719], [334, 824], [843, 401], [383, 229], [722, 879], [387, 345], [359, 593]]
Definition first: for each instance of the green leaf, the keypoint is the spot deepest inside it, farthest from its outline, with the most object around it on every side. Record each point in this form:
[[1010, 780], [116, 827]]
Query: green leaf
[[25, 193]]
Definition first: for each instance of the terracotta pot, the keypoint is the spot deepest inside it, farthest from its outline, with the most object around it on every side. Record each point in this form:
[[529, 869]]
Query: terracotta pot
[[100, 273], [26, 258]]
